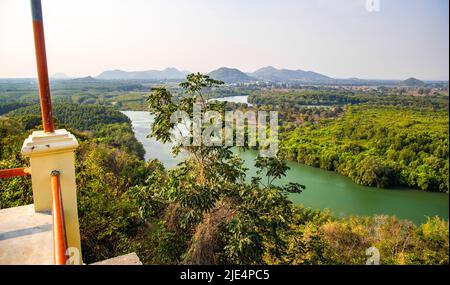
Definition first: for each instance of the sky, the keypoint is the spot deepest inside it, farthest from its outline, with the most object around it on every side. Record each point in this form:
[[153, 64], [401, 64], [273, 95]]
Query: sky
[[396, 39]]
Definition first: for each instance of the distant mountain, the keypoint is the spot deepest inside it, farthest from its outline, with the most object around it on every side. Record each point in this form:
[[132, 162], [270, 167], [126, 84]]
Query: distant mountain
[[233, 75], [87, 79], [59, 75], [230, 75], [412, 82], [273, 74], [168, 73]]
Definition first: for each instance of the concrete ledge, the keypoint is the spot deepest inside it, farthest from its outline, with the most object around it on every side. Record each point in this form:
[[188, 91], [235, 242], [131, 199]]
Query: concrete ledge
[[25, 237], [127, 259]]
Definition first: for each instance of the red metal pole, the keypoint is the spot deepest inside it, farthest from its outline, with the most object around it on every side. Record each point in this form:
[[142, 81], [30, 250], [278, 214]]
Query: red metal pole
[[59, 229], [41, 59], [13, 172]]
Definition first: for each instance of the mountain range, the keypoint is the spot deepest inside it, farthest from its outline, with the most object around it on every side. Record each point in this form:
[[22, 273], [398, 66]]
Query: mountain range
[[168, 73], [233, 75], [228, 75], [270, 73]]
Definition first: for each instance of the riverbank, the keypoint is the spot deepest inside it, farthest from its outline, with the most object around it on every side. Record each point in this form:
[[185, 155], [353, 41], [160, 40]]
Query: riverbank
[[325, 189]]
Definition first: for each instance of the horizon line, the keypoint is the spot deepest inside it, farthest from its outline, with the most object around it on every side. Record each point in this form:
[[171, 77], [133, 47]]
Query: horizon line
[[246, 72]]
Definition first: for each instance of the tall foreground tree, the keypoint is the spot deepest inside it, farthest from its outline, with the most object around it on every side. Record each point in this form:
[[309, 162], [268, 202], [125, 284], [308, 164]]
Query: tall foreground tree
[[231, 220]]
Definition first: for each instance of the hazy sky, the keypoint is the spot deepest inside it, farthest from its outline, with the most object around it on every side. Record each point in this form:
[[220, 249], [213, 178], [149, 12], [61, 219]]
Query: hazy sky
[[339, 38]]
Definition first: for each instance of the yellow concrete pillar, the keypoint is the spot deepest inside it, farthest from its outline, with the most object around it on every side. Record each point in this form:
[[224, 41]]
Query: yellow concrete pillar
[[48, 152]]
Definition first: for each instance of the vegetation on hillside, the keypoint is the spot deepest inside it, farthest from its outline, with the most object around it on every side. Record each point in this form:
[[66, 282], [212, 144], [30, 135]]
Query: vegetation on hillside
[[118, 94], [115, 93], [107, 166], [106, 125], [379, 147], [298, 99], [205, 212], [83, 117], [375, 139]]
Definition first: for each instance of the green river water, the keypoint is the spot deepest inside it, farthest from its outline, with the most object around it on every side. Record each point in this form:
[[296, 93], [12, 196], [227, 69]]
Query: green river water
[[324, 189]]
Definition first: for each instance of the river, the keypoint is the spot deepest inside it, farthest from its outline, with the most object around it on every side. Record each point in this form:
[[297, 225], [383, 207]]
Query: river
[[234, 99], [324, 189]]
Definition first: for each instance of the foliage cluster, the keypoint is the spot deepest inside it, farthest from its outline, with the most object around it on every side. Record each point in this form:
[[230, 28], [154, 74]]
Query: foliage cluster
[[377, 146]]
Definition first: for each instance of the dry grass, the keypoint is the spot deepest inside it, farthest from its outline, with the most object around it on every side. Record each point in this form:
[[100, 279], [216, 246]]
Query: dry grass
[[206, 239]]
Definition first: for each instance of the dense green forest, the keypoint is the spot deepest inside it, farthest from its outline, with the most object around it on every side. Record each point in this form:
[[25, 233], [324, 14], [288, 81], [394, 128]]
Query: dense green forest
[[105, 124], [377, 146], [83, 118], [118, 94], [375, 139], [7, 107], [206, 211], [300, 98]]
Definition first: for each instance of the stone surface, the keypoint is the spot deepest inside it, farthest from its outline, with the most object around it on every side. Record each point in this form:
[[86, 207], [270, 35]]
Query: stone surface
[[128, 259], [25, 236]]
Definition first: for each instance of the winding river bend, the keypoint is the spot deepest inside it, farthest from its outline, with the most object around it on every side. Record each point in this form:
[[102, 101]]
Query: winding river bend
[[324, 189]]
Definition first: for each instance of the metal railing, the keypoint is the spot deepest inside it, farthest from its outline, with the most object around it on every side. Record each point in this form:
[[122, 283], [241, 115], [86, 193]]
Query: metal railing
[[59, 229], [14, 172]]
